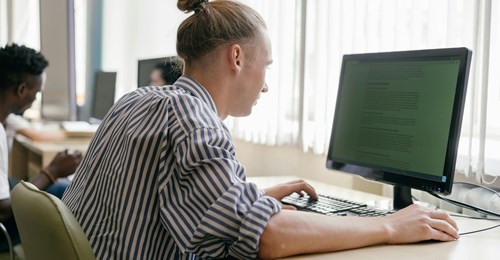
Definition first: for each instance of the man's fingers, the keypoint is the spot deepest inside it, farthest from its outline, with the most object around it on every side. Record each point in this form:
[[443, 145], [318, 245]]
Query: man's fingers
[[289, 207], [442, 236], [294, 181], [438, 214], [300, 187], [443, 226], [304, 187]]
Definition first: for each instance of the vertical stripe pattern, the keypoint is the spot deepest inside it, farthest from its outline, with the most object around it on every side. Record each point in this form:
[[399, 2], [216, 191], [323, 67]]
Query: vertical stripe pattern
[[160, 180]]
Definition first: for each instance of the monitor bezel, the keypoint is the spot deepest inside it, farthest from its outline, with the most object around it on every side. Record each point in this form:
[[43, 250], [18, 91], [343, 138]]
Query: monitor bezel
[[454, 131]]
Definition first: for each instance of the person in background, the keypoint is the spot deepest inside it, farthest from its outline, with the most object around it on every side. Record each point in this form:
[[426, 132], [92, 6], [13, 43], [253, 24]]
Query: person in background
[[165, 73], [21, 78], [161, 179]]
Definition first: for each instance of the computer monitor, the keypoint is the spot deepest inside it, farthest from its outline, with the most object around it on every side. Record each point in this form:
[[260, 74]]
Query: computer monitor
[[398, 117], [168, 65], [104, 94]]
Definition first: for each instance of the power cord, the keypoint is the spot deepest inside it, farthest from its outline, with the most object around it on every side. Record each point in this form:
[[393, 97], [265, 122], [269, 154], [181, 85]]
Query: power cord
[[477, 209], [478, 186], [472, 217], [463, 205], [479, 230], [480, 218]]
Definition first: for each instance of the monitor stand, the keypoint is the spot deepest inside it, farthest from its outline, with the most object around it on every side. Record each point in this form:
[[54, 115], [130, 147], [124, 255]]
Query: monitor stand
[[402, 197]]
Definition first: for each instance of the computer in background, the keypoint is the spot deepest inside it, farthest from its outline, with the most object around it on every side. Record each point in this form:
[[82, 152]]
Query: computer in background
[[168, 65], [104, 98], [397, 120], [104, 94]]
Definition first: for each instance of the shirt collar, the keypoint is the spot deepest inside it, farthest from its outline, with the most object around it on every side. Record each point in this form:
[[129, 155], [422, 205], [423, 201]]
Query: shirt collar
[[196, 89]]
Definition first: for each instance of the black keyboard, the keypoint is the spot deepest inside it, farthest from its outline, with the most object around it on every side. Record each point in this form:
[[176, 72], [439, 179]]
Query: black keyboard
[[333, 206]]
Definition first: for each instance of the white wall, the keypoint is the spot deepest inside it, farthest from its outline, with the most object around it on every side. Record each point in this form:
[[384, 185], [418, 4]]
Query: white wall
[[134, 30], [263, 160]]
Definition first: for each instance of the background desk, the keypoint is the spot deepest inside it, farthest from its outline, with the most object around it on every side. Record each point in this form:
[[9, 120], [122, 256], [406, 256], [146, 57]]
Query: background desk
[[28, 157], [479, 246]]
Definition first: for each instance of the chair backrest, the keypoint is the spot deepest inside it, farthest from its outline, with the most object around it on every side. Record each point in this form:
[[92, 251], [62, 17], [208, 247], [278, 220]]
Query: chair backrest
[[48, 229]]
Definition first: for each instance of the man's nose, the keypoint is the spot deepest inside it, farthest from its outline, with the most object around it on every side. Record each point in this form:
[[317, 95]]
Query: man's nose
[[265, 88]]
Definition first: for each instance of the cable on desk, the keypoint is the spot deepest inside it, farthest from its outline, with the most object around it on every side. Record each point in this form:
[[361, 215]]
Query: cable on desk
[[478, 186], [472, 217], [463, 205], [479, 230]]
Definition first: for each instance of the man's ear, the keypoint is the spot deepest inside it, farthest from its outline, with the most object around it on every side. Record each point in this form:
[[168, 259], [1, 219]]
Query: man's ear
[[21, 89], [235, 57]]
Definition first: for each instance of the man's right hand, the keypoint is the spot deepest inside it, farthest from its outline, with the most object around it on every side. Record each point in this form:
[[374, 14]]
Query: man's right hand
[[299, 186], [64, 164], [416, 223]]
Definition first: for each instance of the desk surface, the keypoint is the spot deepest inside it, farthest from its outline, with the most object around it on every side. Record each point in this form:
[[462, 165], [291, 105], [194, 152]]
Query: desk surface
[[28, 157], [42, 147], [482, 245]]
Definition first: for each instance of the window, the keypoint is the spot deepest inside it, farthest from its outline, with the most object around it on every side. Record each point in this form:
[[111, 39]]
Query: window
[[334, 28], [3, 23], [80, 49]]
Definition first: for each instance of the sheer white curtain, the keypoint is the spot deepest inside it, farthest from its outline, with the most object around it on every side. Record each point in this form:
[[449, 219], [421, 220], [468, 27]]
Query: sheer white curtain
[[3, 23], [80, 48], [480, 142], [338, 27], [274, 120], [20, 20]]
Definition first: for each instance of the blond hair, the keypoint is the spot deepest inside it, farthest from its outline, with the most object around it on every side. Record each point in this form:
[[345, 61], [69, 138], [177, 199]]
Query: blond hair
[[214, 24]]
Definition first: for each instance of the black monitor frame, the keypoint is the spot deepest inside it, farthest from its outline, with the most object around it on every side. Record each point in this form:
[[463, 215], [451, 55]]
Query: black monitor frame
[[404, 183], [104, 94]]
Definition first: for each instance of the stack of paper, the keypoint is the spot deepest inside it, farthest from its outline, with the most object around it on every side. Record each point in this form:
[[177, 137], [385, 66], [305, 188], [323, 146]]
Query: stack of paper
[[78, 128]]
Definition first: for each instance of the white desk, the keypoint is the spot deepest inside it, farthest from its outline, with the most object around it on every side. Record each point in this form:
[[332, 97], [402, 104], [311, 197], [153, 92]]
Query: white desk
[[478, 246]]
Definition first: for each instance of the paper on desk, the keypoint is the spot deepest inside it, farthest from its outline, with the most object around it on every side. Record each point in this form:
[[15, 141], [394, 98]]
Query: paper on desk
[[79, 128]]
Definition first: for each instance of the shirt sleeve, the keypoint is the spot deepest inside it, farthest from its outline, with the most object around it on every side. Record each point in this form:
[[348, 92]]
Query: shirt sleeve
[[4, 165], [15, 122], [207, 206]]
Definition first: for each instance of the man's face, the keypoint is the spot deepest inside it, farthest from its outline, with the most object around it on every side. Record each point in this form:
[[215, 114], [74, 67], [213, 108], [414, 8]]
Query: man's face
[[253, 77], [27, 92], [155, 78]]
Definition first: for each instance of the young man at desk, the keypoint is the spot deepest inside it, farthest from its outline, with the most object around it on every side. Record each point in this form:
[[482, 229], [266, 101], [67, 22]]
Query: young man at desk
[[160, 179], [21, 78]]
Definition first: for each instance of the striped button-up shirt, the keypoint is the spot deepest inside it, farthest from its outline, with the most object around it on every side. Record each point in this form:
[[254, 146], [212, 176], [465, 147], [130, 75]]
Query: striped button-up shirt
[[160, 180]]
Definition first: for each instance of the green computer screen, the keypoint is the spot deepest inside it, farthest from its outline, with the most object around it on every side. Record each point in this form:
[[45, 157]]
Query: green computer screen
[[396, 114]]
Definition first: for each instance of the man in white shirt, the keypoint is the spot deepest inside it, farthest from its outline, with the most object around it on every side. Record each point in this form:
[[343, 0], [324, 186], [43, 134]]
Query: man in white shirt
[[21, 78]]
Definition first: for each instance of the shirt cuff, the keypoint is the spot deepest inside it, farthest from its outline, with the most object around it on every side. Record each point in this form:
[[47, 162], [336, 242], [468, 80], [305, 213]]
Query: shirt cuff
[[252, 227]]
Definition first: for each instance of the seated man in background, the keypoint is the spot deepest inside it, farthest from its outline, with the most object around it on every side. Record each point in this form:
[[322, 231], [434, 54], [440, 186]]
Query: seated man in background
[[165, 73], [21, 78]]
